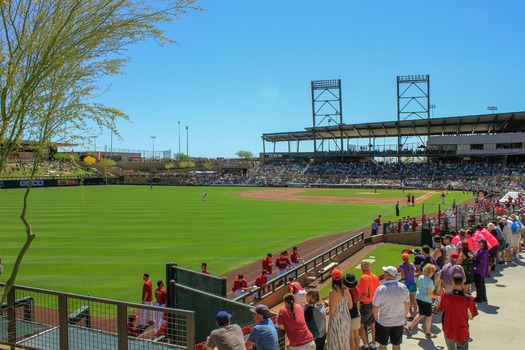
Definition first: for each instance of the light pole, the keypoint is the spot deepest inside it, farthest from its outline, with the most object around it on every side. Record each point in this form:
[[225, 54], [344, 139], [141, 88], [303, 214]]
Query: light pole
[[432, 107], [179, 138], [492, 109], [187, 142], [153, 140]]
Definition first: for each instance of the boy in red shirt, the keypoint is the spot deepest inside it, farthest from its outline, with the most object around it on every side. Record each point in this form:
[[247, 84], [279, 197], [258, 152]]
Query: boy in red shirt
[[457, 308], [204, 268]]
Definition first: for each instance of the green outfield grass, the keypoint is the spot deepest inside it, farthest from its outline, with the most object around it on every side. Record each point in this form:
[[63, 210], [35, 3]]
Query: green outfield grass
[[101, 239]]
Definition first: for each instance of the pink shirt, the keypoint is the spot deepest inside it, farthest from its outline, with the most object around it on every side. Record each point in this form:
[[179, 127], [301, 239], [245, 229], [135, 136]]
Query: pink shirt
[[489, 237]]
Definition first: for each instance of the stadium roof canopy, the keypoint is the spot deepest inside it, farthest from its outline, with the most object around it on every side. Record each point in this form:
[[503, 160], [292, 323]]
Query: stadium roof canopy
[[463, 125]]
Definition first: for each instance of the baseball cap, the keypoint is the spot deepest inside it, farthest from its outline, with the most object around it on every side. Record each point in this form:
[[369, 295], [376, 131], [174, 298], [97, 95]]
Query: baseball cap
[[391, 270], [261, 309], [405, 256], [337, 275], [454, 255], [416, 250], [223, 317]]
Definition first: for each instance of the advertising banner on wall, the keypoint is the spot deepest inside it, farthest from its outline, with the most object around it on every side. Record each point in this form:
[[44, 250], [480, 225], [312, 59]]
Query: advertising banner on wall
[[68, 182]]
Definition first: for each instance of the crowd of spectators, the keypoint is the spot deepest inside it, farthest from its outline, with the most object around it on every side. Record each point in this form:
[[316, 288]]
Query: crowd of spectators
[[47, 168], [474, 178]]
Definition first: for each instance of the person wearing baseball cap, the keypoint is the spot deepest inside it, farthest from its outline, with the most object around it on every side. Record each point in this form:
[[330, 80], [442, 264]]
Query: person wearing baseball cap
[[450, 269], [263, 334], [389, 307], [227, 336], [340, 301]]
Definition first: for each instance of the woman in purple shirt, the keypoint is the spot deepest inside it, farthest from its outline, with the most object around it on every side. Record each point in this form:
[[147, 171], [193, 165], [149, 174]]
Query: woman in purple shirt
[[480, 270], [408, 271]]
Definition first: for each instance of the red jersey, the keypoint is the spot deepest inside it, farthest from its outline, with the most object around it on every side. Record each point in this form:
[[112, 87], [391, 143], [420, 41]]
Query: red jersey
[[456, 307], [295, 257], [261, 279], [207, 272], [294, 287], [147, 291], [267, 264], [282, 262], [160, 295], [239, 284]]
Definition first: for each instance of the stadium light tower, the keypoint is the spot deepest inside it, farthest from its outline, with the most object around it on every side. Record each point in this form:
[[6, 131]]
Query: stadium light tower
[[153, 139], [492, 109], [433, 107], [187, 142], [179, 140]]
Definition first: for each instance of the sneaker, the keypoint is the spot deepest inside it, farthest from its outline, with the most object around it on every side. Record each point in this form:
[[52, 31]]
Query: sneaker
[[366, 347], [373, 346]]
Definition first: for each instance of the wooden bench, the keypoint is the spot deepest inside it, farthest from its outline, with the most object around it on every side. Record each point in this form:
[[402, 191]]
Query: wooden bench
[[326, 269], [76, 316]]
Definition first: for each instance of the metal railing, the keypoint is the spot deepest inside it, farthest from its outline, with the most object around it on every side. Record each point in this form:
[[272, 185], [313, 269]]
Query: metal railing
[[43, 319], [310, 266]]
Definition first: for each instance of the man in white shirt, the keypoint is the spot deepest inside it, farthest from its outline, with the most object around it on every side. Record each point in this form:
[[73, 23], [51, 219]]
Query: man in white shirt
[[389, 307]]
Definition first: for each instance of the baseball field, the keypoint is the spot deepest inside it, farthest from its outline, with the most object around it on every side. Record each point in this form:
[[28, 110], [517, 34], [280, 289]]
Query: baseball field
[[101, 239]]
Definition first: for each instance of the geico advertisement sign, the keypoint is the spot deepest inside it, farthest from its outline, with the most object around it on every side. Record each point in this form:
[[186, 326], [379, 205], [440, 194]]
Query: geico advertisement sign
[[25, 183]]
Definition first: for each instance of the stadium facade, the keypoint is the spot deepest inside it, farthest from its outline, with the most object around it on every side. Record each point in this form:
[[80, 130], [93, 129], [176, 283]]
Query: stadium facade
[[496, 138]]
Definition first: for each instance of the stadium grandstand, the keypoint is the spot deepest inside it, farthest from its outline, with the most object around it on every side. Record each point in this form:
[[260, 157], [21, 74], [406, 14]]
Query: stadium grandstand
[[496, 138]]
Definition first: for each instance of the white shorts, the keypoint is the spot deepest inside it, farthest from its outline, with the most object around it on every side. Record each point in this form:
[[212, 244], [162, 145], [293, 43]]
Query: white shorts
[[309, 346]]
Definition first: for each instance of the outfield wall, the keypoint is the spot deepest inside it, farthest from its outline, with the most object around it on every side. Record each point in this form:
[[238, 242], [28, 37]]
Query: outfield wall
[[52, 182]]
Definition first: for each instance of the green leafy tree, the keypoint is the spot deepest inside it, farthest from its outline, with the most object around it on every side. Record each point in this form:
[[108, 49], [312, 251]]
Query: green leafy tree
[[244, 154], [65, 156], [52, 56], [182, 156]]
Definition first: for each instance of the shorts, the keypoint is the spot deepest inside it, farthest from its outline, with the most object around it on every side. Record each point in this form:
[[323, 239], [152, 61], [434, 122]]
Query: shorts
[[367, 317], [412, 287], [516, 238], [355, 323], [383, 334], [425, 309], [307, 346]]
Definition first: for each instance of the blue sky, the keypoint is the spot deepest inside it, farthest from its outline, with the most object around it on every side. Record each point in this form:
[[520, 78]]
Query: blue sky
[[243, 68]]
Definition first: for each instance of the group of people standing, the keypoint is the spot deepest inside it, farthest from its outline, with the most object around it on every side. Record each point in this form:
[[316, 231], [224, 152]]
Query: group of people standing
[[136, 326], [367, 312]]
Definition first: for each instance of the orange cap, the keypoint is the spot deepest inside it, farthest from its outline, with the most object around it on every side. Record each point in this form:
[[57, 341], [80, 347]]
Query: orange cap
[[337, 275]]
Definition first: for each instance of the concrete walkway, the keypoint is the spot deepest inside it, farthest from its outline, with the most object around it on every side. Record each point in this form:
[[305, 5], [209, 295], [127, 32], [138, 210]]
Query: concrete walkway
[[499, 323]]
